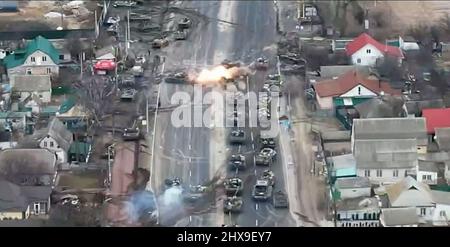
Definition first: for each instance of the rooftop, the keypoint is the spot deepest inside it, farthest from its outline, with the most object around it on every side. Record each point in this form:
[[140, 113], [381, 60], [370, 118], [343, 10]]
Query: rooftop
[[343, 161], [441, 197], [443, 138], [349, 183], [429, 166], [391, 128], [388, 154], [38, 44], [381, 107], [409, 193], [365, 39], [399, 216], [358, 203], [436, 118], [349, 80], [337, 70], [32, 83]]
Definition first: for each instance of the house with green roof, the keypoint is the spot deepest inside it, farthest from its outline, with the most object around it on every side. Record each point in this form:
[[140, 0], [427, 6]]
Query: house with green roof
[[38, 57]]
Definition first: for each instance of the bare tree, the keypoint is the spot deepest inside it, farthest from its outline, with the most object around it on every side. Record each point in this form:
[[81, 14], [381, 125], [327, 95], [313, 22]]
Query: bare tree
[[389, 67], [96, 95], [440, 81], [316, 57]]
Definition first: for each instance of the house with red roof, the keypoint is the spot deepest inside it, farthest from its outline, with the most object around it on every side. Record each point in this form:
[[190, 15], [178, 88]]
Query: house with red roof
[[436, 118], [365, 50], [350, 89]]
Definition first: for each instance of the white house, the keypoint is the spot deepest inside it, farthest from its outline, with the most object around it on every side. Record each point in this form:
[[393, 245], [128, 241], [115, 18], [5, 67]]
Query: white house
[[409, 193], [27, 86], [39, 57], [358, 212], [57, 139], [441, 215], [427, 172], [353, 187], [364, 50], [349, 87]]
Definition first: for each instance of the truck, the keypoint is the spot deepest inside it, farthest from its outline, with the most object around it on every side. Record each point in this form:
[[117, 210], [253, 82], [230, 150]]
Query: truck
[[280, 200], [262, 190]]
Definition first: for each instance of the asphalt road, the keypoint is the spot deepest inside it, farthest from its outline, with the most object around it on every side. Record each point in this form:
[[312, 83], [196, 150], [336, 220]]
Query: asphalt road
[[189, 153]]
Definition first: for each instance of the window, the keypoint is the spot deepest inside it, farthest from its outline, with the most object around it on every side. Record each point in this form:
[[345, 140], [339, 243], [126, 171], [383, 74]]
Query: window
[[51, 144], [395, 173], [366, 173], [40, 96], [406, 173], [365, 216], [33, 59], [424, 177], [45, 144], [442, 213], [379, 173], [368, 51], [338, 216], [61, 57], [28, 71], [49, 70], [359, 90], [44, 58], [423, 211], [358, 60], [429, 177]]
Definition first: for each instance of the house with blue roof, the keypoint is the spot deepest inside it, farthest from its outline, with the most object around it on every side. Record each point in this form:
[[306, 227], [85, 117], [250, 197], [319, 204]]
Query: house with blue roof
[[38, 57]]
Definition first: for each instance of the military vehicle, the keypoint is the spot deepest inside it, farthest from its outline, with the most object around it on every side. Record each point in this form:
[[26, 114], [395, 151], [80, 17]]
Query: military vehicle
[[265, 157], [118, 4], [180, 77], [131, 134], [171, 182], [160, 43], [269, 176], [237, 161], [268, 143], [229, 64], [184, 23], [262, 64], [237, 136], [233, 186], [195, 193], [262, 190], [181, 34], [280, 200], [232, 204]]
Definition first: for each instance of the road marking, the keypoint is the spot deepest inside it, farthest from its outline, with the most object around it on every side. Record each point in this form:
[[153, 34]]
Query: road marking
[[239, 148], [190, 173], [190, 159], [256, 205], [256, 223], [255, 172], [251, 135], [254, 161], [190, 147], [190, 218], [253, 146]]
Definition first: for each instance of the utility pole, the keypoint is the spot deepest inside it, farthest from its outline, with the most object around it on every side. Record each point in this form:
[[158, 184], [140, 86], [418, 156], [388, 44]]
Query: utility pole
[[128, 29]]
